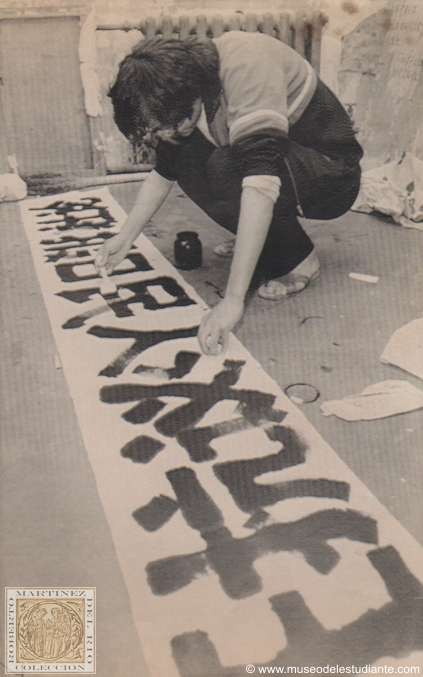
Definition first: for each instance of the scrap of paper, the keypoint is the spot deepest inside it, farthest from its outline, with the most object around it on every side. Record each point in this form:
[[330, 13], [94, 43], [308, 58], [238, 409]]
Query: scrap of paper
[[396, 188], [377, 401], [405, 348], [372, 279]]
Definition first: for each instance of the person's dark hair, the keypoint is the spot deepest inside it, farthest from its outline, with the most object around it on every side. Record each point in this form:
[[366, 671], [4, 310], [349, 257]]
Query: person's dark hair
[[159, 81]]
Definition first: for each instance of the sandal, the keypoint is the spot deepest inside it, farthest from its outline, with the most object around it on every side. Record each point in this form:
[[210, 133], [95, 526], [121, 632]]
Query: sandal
[[273, 290], [225, 249]]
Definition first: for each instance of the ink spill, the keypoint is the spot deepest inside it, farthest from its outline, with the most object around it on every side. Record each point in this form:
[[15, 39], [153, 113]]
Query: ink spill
[[68, 271], [139, 293], [396, 629], [255, 406], [142, 449], [142, 341], [239, 476], [71, 215], [233, 559], [185, 361], [156, 513], [144, 411]]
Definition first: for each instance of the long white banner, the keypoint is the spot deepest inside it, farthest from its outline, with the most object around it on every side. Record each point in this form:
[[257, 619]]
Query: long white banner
[[243, 539]]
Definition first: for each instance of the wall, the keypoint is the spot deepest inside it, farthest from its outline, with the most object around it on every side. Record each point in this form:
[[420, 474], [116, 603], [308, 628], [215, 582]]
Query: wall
[[47, 127], [381, 82], [354, 27], [393, 121], [343, 15]]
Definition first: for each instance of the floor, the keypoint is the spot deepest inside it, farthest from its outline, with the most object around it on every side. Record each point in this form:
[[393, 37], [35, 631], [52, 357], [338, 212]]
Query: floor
[[330, 336]]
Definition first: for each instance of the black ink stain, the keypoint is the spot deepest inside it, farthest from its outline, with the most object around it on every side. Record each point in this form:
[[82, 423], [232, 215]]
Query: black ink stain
[[67, 271], [142, 449], [196, 656], [185, 361], [142, 341], [79, 295], [255, 406], [396, 629], [53, 257], [76, 240], [66, 211], [121, 308], [233, 559], [78, 321], [144, 411], [197, 440], [257, 519], [310, 317], [156, 513], [239, 476], [202, 397], [169, 575]]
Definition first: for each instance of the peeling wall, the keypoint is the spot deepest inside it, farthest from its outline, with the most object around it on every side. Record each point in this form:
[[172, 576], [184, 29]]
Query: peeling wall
[[394, 123], [364, 59], [381, 82], [360, 63]]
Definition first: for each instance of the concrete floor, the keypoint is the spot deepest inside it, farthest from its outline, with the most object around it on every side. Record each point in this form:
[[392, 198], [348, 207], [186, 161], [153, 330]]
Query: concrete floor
[[54, 531]]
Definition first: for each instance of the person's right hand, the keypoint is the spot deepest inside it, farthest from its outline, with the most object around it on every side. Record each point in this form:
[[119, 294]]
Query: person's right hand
[[111, 253]]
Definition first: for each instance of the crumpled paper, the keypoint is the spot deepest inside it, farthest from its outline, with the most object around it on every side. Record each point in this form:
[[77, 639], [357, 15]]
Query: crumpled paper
[[12, 188], [377, 401], [395, 189], [405, 348]]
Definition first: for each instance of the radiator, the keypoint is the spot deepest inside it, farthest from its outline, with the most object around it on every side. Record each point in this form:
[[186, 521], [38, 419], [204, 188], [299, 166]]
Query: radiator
[[301, 30]]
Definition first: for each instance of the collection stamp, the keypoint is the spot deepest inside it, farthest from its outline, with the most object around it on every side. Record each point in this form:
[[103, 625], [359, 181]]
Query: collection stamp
[[50, 630]]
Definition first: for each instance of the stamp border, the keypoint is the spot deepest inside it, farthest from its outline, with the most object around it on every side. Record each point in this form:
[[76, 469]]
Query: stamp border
[[11, 636]]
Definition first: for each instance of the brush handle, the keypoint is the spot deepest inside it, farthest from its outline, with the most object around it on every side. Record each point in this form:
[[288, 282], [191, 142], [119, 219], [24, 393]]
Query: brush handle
[[104, 274], [107, 286]]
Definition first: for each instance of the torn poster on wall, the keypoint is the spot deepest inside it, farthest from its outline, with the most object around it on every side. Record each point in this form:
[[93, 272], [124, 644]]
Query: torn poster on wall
[[241, 535]]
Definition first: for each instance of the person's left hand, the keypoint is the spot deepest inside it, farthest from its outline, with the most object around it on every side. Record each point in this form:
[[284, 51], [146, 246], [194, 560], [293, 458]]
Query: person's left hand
[[213, 334]]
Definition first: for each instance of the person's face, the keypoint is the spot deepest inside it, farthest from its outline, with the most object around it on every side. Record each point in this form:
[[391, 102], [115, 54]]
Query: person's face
[[176, 133]]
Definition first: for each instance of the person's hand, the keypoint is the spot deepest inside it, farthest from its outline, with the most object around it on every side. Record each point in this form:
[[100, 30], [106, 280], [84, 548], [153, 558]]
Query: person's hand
[[213, 334], [111, 253]]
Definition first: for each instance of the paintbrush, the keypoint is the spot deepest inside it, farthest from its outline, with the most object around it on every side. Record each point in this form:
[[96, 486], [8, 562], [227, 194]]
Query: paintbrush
[[107, 287]]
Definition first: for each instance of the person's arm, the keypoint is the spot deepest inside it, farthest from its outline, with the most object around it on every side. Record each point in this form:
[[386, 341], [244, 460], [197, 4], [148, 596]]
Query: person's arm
[[253, 226], [151, 196]]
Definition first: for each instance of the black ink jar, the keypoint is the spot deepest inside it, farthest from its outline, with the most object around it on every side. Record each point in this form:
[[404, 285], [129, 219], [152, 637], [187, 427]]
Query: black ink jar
[[188, 251]]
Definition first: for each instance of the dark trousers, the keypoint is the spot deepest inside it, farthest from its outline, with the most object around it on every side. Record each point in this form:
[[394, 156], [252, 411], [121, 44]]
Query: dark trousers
[[319, 182]]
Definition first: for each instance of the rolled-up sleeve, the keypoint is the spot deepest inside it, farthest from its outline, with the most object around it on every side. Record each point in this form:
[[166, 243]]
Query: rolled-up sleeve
[[266, 185], [259, 154]]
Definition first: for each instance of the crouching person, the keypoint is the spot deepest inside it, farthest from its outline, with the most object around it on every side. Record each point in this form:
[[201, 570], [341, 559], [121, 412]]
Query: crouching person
[[254, 138]]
